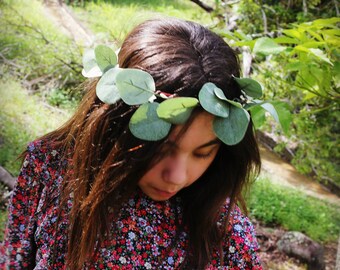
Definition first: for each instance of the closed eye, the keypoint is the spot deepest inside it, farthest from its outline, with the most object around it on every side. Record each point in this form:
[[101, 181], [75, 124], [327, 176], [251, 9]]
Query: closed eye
[[203, 156]]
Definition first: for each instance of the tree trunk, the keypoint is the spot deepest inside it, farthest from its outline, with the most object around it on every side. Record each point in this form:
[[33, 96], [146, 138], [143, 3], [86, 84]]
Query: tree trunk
[[336, 7], [304, 7]]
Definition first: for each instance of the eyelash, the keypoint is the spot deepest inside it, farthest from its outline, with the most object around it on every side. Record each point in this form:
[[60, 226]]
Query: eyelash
[[204, 156]]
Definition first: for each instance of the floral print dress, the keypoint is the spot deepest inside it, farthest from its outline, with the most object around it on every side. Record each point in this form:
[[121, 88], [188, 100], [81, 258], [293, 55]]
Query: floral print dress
[[141, 238]]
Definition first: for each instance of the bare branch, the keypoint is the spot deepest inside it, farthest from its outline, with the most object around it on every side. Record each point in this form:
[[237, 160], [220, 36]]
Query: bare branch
[[206, 7]]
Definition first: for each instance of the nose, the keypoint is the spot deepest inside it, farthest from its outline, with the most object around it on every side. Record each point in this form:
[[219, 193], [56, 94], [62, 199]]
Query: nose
[[175, 170]]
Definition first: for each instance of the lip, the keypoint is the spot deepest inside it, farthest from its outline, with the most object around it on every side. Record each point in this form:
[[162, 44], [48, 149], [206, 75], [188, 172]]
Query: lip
[[163, 193]]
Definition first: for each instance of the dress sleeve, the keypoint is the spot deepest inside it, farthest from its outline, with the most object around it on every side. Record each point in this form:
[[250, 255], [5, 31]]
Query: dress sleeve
[[18, 250], [241, 247]]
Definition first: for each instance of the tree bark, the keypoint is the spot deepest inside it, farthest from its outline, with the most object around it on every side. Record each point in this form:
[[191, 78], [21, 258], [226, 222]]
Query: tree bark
[[304, 7], [7, 178], [336, 7]]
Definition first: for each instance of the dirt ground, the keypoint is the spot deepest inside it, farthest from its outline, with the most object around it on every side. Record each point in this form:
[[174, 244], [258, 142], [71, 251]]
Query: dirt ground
[[273, 259]]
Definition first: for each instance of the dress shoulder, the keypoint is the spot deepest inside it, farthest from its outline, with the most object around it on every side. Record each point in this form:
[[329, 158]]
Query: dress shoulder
[[240, 244], [45, 159]]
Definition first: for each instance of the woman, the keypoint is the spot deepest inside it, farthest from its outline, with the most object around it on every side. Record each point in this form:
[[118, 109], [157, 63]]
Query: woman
[[94, 195]]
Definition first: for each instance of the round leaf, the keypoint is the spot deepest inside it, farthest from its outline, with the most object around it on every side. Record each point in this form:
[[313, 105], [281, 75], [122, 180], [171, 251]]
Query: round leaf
[[105, 57], [251, 87], [210, 102], [91, 69], [231, 130], [219, 93], [177, 110], [146, 125], [106, 89], [92, 73], [135, 86]]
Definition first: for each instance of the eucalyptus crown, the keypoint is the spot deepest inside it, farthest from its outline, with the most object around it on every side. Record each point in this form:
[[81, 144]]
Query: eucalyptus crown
[[152, 120]]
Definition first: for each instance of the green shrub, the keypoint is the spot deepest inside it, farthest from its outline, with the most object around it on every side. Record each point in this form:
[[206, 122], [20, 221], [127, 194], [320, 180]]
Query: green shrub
[[276, 205], [112, 20], [34, 49], [23, 118]]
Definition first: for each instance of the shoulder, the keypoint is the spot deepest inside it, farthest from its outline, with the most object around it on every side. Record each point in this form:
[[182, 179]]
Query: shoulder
[[240, 245], [239, 226], [43, 159]]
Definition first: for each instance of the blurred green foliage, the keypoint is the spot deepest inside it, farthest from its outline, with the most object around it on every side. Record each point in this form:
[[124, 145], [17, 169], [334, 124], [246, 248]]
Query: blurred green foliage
[[34, 50], [301, 65], [111, 20], [277, 205]]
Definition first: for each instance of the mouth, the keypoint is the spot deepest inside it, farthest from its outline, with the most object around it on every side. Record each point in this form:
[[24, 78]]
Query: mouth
[[164, 193]]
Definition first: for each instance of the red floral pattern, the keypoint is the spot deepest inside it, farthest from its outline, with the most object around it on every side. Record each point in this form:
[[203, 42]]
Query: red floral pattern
[[141, 238]]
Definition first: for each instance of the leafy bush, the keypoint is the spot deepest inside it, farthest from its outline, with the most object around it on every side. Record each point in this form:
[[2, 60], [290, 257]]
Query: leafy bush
[[302, 67], [277, 205], [111, 20], [34, 50], [23, 118]]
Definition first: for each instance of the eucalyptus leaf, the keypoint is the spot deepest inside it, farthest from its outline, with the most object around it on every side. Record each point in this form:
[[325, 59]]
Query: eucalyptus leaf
[[219, 93], [105, 57], [106, 89], [177, 110], [251, 87], [146, 125], [211, 103], [92, 73], [231, 130], [135, 86], [91, 68]]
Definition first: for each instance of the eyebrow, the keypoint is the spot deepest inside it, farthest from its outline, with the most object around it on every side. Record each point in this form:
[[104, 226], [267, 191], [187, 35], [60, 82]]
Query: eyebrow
[[212, 142]]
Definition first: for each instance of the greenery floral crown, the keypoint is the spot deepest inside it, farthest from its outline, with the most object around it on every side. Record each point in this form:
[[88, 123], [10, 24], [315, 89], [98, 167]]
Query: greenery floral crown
[[152, 120]]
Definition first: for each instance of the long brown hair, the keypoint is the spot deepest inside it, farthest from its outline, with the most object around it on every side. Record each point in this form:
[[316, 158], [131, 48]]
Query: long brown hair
[[107, 161]]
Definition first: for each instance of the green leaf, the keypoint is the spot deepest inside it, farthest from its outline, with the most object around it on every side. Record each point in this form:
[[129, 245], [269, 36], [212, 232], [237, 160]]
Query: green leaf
[[219, 93], [106, 58], [321, 55], [231, 130], [326, 22], [91, 69], [146, 125], [267, 46], [278, 110], [106, 88], [295, 34], [336, 74], [294, 66], [251, 87], [177, 110], [210, 101], [286, 40], [248, 43], [135, 86], [258, 116]]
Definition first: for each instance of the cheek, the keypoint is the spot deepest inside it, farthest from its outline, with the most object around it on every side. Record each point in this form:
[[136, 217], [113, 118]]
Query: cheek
[[153, 173]]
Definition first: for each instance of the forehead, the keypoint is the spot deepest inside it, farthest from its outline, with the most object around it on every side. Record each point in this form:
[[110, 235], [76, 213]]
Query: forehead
[[198, 133]]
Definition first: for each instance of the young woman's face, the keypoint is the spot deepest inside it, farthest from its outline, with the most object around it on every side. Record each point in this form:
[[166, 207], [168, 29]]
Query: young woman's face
[[185, 160]]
